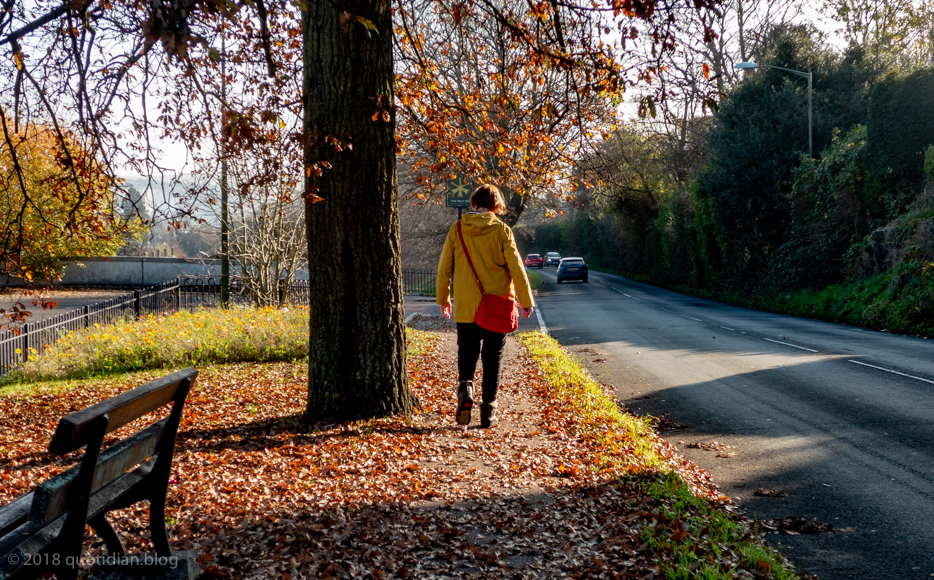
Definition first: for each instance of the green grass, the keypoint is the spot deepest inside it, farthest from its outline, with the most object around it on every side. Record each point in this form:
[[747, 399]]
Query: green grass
[[419, 342], [693, 538], [574, 385], [428, 289], [900, 300], [176, 340], [696, 539], [535, 279]]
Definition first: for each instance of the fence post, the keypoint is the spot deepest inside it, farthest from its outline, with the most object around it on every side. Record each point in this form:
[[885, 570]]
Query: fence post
[[25, 342], [136, 303], [178, 294], [87, 316]]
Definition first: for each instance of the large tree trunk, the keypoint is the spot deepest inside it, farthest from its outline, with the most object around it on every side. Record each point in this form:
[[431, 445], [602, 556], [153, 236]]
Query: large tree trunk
[[357, 356]]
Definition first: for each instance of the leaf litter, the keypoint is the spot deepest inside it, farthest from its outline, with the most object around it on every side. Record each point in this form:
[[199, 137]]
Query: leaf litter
[[260, 493]]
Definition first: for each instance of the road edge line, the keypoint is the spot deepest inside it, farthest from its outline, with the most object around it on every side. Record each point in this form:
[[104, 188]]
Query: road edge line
[[541, 322], [792, 345], [891, 371]]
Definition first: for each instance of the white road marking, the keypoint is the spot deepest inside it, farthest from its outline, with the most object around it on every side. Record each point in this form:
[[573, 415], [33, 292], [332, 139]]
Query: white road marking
[[409, 318], [727, 328], [893, 372], [697, 319], [541, 323], [627, 295], [791, 345]]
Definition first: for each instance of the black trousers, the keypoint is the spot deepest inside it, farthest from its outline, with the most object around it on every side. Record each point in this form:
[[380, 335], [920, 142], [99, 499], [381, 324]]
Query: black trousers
[[474, 342]]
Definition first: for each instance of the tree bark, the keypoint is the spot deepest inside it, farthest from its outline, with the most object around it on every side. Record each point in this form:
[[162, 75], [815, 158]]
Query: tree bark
[[357, 354]]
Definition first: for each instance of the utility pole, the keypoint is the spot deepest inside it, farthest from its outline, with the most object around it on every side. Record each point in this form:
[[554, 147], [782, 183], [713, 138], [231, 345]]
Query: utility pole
[[225, 230]]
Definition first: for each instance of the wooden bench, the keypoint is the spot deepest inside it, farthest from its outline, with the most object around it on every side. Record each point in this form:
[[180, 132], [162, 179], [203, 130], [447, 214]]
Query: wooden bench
[[42, 532]]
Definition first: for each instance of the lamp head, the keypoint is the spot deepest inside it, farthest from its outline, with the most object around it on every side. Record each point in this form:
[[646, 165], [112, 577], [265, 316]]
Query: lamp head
[[745, 65]]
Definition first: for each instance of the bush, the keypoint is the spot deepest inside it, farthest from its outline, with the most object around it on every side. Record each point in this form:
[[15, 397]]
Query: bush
[[179, 339], [900, 129], [828, 216]]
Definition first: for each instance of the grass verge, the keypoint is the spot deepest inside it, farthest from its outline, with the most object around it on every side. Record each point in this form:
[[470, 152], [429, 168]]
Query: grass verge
[[419, 343], [535, 279], [692, 536], [597, 411]]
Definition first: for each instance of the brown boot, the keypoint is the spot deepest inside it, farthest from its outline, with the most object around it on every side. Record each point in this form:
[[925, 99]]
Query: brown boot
[[488, 415], [464, 402]]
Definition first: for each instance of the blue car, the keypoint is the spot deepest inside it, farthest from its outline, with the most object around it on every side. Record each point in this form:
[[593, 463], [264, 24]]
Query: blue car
[[572, 269]]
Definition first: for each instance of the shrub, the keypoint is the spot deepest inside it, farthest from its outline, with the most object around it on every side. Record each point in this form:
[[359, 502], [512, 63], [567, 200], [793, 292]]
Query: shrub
[[900, 126]]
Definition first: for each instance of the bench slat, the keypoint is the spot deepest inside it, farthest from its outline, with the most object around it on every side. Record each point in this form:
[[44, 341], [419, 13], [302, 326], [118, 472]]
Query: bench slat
[[29, 539], [74, 430], [51, 496], [15, 513]]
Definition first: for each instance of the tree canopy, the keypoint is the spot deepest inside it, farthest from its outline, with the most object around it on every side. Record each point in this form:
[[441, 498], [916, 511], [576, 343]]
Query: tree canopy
[[55, 201]]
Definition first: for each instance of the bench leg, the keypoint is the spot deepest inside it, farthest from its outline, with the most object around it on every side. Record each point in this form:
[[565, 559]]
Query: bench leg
[[160, 539], [110, 536]]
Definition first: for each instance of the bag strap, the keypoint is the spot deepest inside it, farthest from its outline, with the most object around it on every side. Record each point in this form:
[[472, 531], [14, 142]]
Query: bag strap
[[460, 234]]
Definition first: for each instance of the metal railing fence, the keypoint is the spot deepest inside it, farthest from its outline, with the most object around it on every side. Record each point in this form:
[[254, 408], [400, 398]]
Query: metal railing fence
[[419, 282], [188, 294], [32, 338]]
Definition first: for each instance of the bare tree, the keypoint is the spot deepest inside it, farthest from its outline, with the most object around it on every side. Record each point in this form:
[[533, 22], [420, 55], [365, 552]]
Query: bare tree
[[891, 32]]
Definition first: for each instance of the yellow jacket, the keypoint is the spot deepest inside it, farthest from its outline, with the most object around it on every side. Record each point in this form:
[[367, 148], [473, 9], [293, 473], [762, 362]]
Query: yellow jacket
[[493, 252]]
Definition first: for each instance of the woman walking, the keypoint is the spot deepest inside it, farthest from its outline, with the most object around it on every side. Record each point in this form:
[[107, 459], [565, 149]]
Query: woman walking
[[493, 257]]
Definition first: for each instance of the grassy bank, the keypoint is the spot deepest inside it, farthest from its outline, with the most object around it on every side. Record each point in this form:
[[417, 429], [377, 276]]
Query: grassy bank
[[899, 301], [176, 340], [692, 537]]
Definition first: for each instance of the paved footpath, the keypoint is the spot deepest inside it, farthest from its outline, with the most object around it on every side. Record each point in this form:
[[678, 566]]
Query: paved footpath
[[501, 503]]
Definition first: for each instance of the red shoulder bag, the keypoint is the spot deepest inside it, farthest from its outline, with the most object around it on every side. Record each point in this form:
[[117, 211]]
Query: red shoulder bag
[[496, 313]]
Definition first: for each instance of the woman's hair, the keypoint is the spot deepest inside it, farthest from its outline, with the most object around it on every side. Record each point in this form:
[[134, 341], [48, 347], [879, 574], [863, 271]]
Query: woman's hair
[[489, 197]]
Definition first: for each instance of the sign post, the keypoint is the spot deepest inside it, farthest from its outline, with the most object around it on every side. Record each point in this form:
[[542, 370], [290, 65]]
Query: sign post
[[459, 190]]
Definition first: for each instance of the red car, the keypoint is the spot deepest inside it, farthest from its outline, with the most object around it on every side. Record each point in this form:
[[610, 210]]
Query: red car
[[534, 261]]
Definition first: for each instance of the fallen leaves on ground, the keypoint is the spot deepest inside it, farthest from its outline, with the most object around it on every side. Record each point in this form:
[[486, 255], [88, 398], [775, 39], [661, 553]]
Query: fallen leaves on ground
[[263, 494], [763, 492], [796, 525], [709, 446]]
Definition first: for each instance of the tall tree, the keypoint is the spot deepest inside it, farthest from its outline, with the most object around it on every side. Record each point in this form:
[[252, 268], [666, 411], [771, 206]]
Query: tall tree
[[357, 355], [497, 111]]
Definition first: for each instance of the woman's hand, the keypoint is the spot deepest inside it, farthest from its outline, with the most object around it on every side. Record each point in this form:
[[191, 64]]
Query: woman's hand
[[526, 312], [446, 310]]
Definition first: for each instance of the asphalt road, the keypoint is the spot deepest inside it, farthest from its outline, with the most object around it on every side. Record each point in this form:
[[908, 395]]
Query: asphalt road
[[839, 418]]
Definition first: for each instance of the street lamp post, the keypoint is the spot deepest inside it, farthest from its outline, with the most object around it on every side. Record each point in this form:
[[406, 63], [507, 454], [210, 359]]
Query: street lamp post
[[808, 75]]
